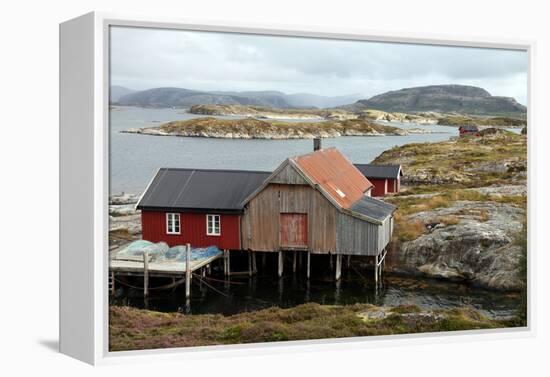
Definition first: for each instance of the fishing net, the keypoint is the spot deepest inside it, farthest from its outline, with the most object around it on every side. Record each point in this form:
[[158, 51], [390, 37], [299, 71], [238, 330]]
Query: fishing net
[[161, 251], [136, 249], [178, 253]]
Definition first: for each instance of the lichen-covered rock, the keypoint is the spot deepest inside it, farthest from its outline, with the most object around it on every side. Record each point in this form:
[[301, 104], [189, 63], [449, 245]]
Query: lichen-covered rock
[[479, 248]]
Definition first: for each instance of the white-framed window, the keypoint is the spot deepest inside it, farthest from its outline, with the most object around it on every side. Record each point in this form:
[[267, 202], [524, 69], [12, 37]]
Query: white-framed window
[[172, 223], [213, 225]]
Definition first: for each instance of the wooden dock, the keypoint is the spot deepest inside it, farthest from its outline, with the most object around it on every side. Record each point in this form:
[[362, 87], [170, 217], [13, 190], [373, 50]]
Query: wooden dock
[[148, 266]]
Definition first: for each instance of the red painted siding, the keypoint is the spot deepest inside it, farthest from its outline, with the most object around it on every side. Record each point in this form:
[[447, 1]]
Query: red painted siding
[[293, 230], [380, 186], [193, 230], [394, 185]]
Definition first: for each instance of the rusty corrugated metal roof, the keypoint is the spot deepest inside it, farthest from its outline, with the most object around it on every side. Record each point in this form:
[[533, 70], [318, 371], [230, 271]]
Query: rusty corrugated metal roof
[[335, 175]]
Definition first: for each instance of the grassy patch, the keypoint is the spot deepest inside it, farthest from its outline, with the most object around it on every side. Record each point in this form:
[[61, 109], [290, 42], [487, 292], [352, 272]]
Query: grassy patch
[[408, 230], [131, 328], [501, 121], [449, 220], [464, 162]]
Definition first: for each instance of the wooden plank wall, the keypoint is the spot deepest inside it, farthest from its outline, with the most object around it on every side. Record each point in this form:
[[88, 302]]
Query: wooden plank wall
[[288, 192], [329, 231], [359, 237]]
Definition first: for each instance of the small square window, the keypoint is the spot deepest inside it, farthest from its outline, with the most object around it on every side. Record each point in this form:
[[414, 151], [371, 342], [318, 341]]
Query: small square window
[[213, 226], [173, 223]]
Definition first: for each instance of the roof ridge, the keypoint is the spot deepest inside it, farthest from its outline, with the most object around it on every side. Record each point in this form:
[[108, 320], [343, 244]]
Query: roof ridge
[[371, 164], [219, 170]]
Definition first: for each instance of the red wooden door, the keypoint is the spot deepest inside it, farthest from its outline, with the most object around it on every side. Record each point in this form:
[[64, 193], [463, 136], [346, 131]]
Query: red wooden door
[[293, 230]]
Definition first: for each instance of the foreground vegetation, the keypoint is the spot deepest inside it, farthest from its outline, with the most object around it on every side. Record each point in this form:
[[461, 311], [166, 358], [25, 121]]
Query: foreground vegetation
[[131, 328]]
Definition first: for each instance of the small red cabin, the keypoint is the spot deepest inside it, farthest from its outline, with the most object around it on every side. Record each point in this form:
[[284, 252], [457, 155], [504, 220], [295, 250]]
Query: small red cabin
[[385, 178], [468, 130], [197, 206]]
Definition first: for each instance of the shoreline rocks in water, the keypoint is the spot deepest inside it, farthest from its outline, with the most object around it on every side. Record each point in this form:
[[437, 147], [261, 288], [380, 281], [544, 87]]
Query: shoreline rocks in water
[[251, 128]]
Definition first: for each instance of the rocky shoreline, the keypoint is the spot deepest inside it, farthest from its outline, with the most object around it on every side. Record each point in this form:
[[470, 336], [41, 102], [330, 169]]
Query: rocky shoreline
[[462, 211]]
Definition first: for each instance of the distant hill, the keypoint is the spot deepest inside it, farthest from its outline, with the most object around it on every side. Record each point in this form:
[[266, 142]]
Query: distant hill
[[179, 97], [441, 98], [119, 91]]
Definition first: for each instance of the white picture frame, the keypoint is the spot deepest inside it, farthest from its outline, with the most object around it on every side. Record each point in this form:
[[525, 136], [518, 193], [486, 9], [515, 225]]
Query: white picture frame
[[84, 186]]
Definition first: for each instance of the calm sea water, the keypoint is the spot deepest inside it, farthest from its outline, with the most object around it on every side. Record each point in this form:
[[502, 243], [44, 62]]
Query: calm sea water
[[243, 294], [135, 158]]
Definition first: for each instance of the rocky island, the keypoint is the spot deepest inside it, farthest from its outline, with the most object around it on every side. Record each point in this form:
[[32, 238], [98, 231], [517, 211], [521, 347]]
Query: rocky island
[[252, 128]]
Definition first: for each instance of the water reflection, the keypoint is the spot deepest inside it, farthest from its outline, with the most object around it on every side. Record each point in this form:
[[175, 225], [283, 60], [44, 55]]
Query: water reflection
[[242, 294]]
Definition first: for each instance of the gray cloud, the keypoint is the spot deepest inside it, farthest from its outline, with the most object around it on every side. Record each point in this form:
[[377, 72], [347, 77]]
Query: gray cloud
[[145, 58]]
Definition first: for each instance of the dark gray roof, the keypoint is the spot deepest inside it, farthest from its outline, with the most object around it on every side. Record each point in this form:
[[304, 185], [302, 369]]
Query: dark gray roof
[[469, 127], [201, 189], [379, 171], [373, 208]]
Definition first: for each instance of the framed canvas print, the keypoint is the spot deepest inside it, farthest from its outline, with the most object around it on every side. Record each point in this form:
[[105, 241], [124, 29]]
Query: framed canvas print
[[227, 187]]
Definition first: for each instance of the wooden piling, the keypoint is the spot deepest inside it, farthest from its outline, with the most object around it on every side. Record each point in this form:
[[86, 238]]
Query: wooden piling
[[249, 263], [188, 271], [294, 258], [348, 262], [112, 287], [254, 266], [299, 260], [263, 260], [330, 262], [308, 263], [146, 274], [376, 270], [280, 270], [228, 263], [338, 266]]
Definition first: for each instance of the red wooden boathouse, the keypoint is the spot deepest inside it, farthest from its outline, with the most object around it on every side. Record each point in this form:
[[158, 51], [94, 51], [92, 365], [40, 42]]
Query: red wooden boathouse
[[468, 130], [385, 178], [197, 206]]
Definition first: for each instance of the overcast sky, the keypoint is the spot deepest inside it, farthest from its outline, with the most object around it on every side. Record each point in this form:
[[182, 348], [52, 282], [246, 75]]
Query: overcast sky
[[148, 58]]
